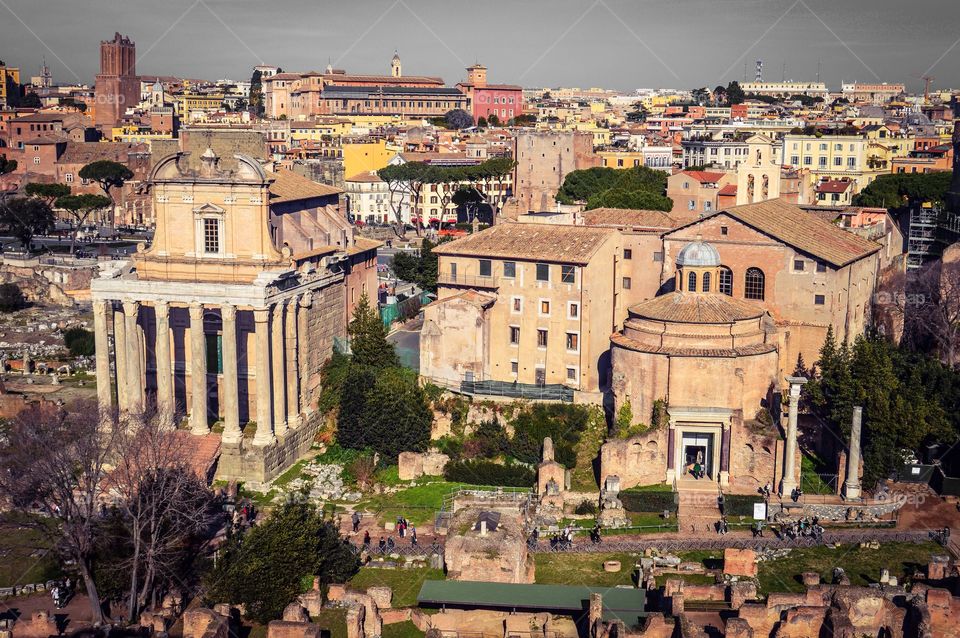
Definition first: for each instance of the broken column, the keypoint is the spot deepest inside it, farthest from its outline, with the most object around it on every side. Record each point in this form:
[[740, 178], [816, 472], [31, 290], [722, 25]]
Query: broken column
[[789, 481], [851, 487]]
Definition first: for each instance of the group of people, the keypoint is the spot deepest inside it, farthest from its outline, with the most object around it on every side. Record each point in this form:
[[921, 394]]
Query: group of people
[[722, 526], [386, 543], [61, 593], [766, 491], [697, 471], [801, 527], [796, 493], [404, 528]]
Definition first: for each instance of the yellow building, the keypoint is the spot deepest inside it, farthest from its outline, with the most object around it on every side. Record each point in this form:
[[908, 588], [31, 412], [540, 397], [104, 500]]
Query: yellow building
[[9, 85], [621, 159], [833, 157], [360, 157], [136, 135], [507, 313], [189, 102]]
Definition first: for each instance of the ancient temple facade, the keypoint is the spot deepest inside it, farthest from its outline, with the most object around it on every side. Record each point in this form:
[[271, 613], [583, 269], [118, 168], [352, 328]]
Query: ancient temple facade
[[223, 324]]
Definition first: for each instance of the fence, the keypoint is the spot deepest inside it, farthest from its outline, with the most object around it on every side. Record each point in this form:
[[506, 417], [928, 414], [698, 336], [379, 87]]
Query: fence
[[402, 310], [537, 392]]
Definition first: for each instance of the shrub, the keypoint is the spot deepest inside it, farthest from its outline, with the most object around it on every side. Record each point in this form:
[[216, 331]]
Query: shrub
[[79, 342], [11, 298], [585, 507], [489, 473], [561, 422], [740, 504], [648, 500]]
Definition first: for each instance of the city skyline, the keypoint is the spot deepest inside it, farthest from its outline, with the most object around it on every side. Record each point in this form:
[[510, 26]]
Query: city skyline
[[577, 43]]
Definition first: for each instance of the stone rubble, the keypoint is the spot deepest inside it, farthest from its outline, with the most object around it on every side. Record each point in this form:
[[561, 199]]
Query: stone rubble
[[321, 482]]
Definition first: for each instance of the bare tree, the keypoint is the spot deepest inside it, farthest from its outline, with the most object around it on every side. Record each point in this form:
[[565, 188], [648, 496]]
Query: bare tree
[[55, 460], [930, 309], [164, 504]]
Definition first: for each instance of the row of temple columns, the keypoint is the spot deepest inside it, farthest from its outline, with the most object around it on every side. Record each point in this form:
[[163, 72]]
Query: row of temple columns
[[281, 364]]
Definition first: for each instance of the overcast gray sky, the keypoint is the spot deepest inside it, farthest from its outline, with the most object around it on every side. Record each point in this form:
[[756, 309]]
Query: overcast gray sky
[[620, 44]]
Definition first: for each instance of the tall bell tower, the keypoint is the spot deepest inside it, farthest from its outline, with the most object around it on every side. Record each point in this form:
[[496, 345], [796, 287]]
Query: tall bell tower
[[395, 69]]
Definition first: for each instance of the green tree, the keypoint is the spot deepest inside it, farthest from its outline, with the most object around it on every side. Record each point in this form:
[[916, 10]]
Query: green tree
[[264, 570], [25, 217], [79, 342], [7, 166], [256, 93], [493, 120], [482, 122], [734, 94], [397, 416], [368, 338], [581, 185], [11, 298], [107, 173], [458, 119], [621, 198], [896, 190], [31, 101], [49, 193], [80, 208], [700, 96]]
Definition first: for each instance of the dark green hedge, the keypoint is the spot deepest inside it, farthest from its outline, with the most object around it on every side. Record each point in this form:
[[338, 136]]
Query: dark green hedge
[[648, 501], [740, 504], [489, 473]]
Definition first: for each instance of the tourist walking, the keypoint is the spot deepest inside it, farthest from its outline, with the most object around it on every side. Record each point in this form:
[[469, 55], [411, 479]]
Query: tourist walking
[[366, 539], [413, 535], [720, 503], [356, 522]]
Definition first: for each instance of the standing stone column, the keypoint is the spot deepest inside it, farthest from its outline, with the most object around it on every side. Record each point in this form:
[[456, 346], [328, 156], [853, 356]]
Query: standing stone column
[[120, 356], [303, 345], [164, 363], [101, 337], [851, 487], [135, 381], [231, 376], [293, 370], [279, 372], [789, 481], [198, 372], [264, 435]]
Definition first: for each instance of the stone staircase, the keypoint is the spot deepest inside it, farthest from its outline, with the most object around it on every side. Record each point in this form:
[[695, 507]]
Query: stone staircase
[[697, 512]]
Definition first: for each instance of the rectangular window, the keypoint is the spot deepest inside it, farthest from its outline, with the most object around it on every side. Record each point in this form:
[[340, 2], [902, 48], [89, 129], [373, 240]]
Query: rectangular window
[[517, 304], [568, 274], [486, 268], [544, 307], [627, 253], [214, 345], [211, 236], [658, 255], [823, 162], [724, 230], [819, 300], [571, 374], [821, 267], [514, 367], [573, 311], [543, 272], [510, 269], [541, 338], [514, 335], [68, 178], [626, 283], [838, 161], [573, 341], [798, 265]]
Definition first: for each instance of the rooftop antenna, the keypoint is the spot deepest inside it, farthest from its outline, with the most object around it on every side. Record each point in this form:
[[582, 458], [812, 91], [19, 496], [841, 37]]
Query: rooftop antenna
[[759, 71]]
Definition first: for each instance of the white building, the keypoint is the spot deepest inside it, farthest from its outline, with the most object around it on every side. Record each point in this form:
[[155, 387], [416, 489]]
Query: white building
[[369, 198]]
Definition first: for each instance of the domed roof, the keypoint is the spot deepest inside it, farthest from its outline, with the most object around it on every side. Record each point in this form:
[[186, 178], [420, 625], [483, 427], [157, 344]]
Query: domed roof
[[698, 253]]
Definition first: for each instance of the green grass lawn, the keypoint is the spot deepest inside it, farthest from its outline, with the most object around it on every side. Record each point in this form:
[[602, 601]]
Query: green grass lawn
[[811, 481], [405, 583], [862, 565], [418, 504], [334, 620], [405, 629], [26, 552], [583, 477], [584, 569]]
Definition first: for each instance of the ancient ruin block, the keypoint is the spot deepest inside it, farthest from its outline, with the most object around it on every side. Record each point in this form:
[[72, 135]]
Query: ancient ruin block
[[740, 562]]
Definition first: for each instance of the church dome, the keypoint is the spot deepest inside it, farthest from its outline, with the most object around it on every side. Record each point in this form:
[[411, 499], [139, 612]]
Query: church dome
[[698, 253]]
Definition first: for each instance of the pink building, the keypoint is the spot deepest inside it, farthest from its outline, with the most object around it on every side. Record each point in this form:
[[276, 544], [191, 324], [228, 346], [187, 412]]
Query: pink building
[[503, 100]]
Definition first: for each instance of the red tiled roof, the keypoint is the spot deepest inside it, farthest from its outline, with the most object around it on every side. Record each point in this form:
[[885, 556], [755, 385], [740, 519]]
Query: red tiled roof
[[705, 176], [833, 186], [729, 189]]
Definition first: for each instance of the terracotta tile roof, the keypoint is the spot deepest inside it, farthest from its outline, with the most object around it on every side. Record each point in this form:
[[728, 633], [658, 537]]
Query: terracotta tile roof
[[475, 297], [290, 187], [620, 217], [624, 341], [685, 307], [363, 244], [705, 176], [728, 190], [365, 176], [833, 186], [804, 231], [531, 242], [385, 79]]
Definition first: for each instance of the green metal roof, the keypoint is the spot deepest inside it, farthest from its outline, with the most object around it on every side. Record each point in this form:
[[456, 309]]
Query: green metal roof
[[626, 604]]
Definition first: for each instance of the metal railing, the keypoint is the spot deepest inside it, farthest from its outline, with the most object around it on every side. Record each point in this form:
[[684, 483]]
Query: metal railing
[[472, 281], [537, 392]]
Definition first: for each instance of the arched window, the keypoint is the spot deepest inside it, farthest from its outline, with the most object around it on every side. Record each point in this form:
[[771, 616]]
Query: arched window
[[706, 282], [753, 284], [726, 281], [692, 282]]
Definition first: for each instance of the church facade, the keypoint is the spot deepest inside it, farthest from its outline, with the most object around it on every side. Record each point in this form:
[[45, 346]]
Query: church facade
[[228, 316]]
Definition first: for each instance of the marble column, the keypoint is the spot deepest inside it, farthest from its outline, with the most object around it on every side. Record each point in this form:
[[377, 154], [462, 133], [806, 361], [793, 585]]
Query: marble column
[[724, 455], [135, 381], [293, 369], [264, 435], [164, 363], [671, 453], [789, 480], [231, 376], [120, 355], [101, 337], [303, 344], [851, 487], [198, 372], [279, 371]]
